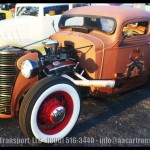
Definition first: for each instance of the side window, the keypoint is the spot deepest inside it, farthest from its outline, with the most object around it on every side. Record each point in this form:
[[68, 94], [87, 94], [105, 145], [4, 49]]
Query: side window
[[2, 16], [63, 8], [136, 28], [55, 10]]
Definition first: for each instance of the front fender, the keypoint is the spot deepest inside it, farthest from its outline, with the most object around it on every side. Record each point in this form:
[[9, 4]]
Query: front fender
[[22, 84]]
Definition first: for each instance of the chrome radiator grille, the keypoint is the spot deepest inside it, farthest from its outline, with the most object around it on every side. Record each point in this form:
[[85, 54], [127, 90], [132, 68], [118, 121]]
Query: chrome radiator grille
[[8, 75]]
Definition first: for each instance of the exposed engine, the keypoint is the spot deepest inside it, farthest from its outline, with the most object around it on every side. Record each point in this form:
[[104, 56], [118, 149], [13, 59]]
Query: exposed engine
[[59, 60], [63, 61]]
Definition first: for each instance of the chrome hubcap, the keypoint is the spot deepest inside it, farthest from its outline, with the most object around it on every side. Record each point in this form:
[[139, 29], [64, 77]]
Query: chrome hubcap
[[58, 114]]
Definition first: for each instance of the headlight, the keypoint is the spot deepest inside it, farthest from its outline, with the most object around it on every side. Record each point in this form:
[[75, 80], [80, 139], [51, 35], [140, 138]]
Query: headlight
[[29, 68]]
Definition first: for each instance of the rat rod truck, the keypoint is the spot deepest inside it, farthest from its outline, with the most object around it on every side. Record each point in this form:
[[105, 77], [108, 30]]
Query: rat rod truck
[[103, 48]]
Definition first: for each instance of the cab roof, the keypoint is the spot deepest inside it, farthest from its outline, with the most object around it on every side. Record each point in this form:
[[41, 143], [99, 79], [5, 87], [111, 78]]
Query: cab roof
[[118, 12]]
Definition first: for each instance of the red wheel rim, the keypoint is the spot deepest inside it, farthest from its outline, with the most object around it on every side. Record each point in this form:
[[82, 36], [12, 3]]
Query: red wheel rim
[[47, 121]]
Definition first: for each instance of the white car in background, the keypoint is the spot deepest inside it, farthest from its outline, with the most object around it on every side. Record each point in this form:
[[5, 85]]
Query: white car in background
[[33, 22]]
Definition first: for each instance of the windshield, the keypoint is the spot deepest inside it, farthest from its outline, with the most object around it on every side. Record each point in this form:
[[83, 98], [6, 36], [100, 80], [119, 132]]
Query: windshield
[[27, 10], [104, 24]]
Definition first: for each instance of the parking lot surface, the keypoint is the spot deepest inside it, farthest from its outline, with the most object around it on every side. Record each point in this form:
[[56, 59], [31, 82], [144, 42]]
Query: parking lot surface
[[122, 121]]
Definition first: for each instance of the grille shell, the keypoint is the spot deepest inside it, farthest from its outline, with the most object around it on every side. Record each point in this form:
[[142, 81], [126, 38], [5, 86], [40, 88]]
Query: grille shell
[[8, 75]]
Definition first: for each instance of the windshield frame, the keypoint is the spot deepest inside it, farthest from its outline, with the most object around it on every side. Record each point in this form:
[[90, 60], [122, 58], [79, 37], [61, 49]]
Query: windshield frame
[[84, 26]]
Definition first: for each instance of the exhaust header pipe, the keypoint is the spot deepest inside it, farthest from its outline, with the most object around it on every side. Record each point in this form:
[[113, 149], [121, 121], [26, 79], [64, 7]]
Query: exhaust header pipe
[[92, 83]]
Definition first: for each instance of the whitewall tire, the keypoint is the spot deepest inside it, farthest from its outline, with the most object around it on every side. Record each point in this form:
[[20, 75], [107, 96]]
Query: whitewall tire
[[50, 109]]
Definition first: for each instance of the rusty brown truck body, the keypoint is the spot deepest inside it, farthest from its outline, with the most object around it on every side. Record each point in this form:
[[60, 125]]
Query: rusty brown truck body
[[105, 48]]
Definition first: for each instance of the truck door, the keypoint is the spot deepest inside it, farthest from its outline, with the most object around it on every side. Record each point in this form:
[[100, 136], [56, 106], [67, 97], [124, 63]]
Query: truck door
[[134, 52]]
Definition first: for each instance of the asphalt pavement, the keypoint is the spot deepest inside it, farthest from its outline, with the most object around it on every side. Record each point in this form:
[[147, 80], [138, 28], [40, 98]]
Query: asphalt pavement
[[122, 121]]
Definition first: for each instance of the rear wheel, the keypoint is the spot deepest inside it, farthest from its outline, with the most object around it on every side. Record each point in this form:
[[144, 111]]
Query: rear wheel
[[50, 109]]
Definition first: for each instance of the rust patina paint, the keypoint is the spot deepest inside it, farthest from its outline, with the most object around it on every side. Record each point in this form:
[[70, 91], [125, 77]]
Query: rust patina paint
[[107, 59]]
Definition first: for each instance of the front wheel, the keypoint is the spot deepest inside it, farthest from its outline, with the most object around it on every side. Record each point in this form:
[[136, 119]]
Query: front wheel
[[50, 109]]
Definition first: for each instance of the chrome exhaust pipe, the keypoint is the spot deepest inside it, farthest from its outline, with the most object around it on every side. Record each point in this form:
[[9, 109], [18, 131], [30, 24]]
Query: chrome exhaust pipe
[[91, 83]]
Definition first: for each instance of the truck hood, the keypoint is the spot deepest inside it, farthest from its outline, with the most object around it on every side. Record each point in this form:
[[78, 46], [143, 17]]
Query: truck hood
[[77, 40], [24, 30], [89, 49]]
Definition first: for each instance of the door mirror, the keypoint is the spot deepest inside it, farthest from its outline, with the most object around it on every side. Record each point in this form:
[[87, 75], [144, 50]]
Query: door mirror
[[128, 33]]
